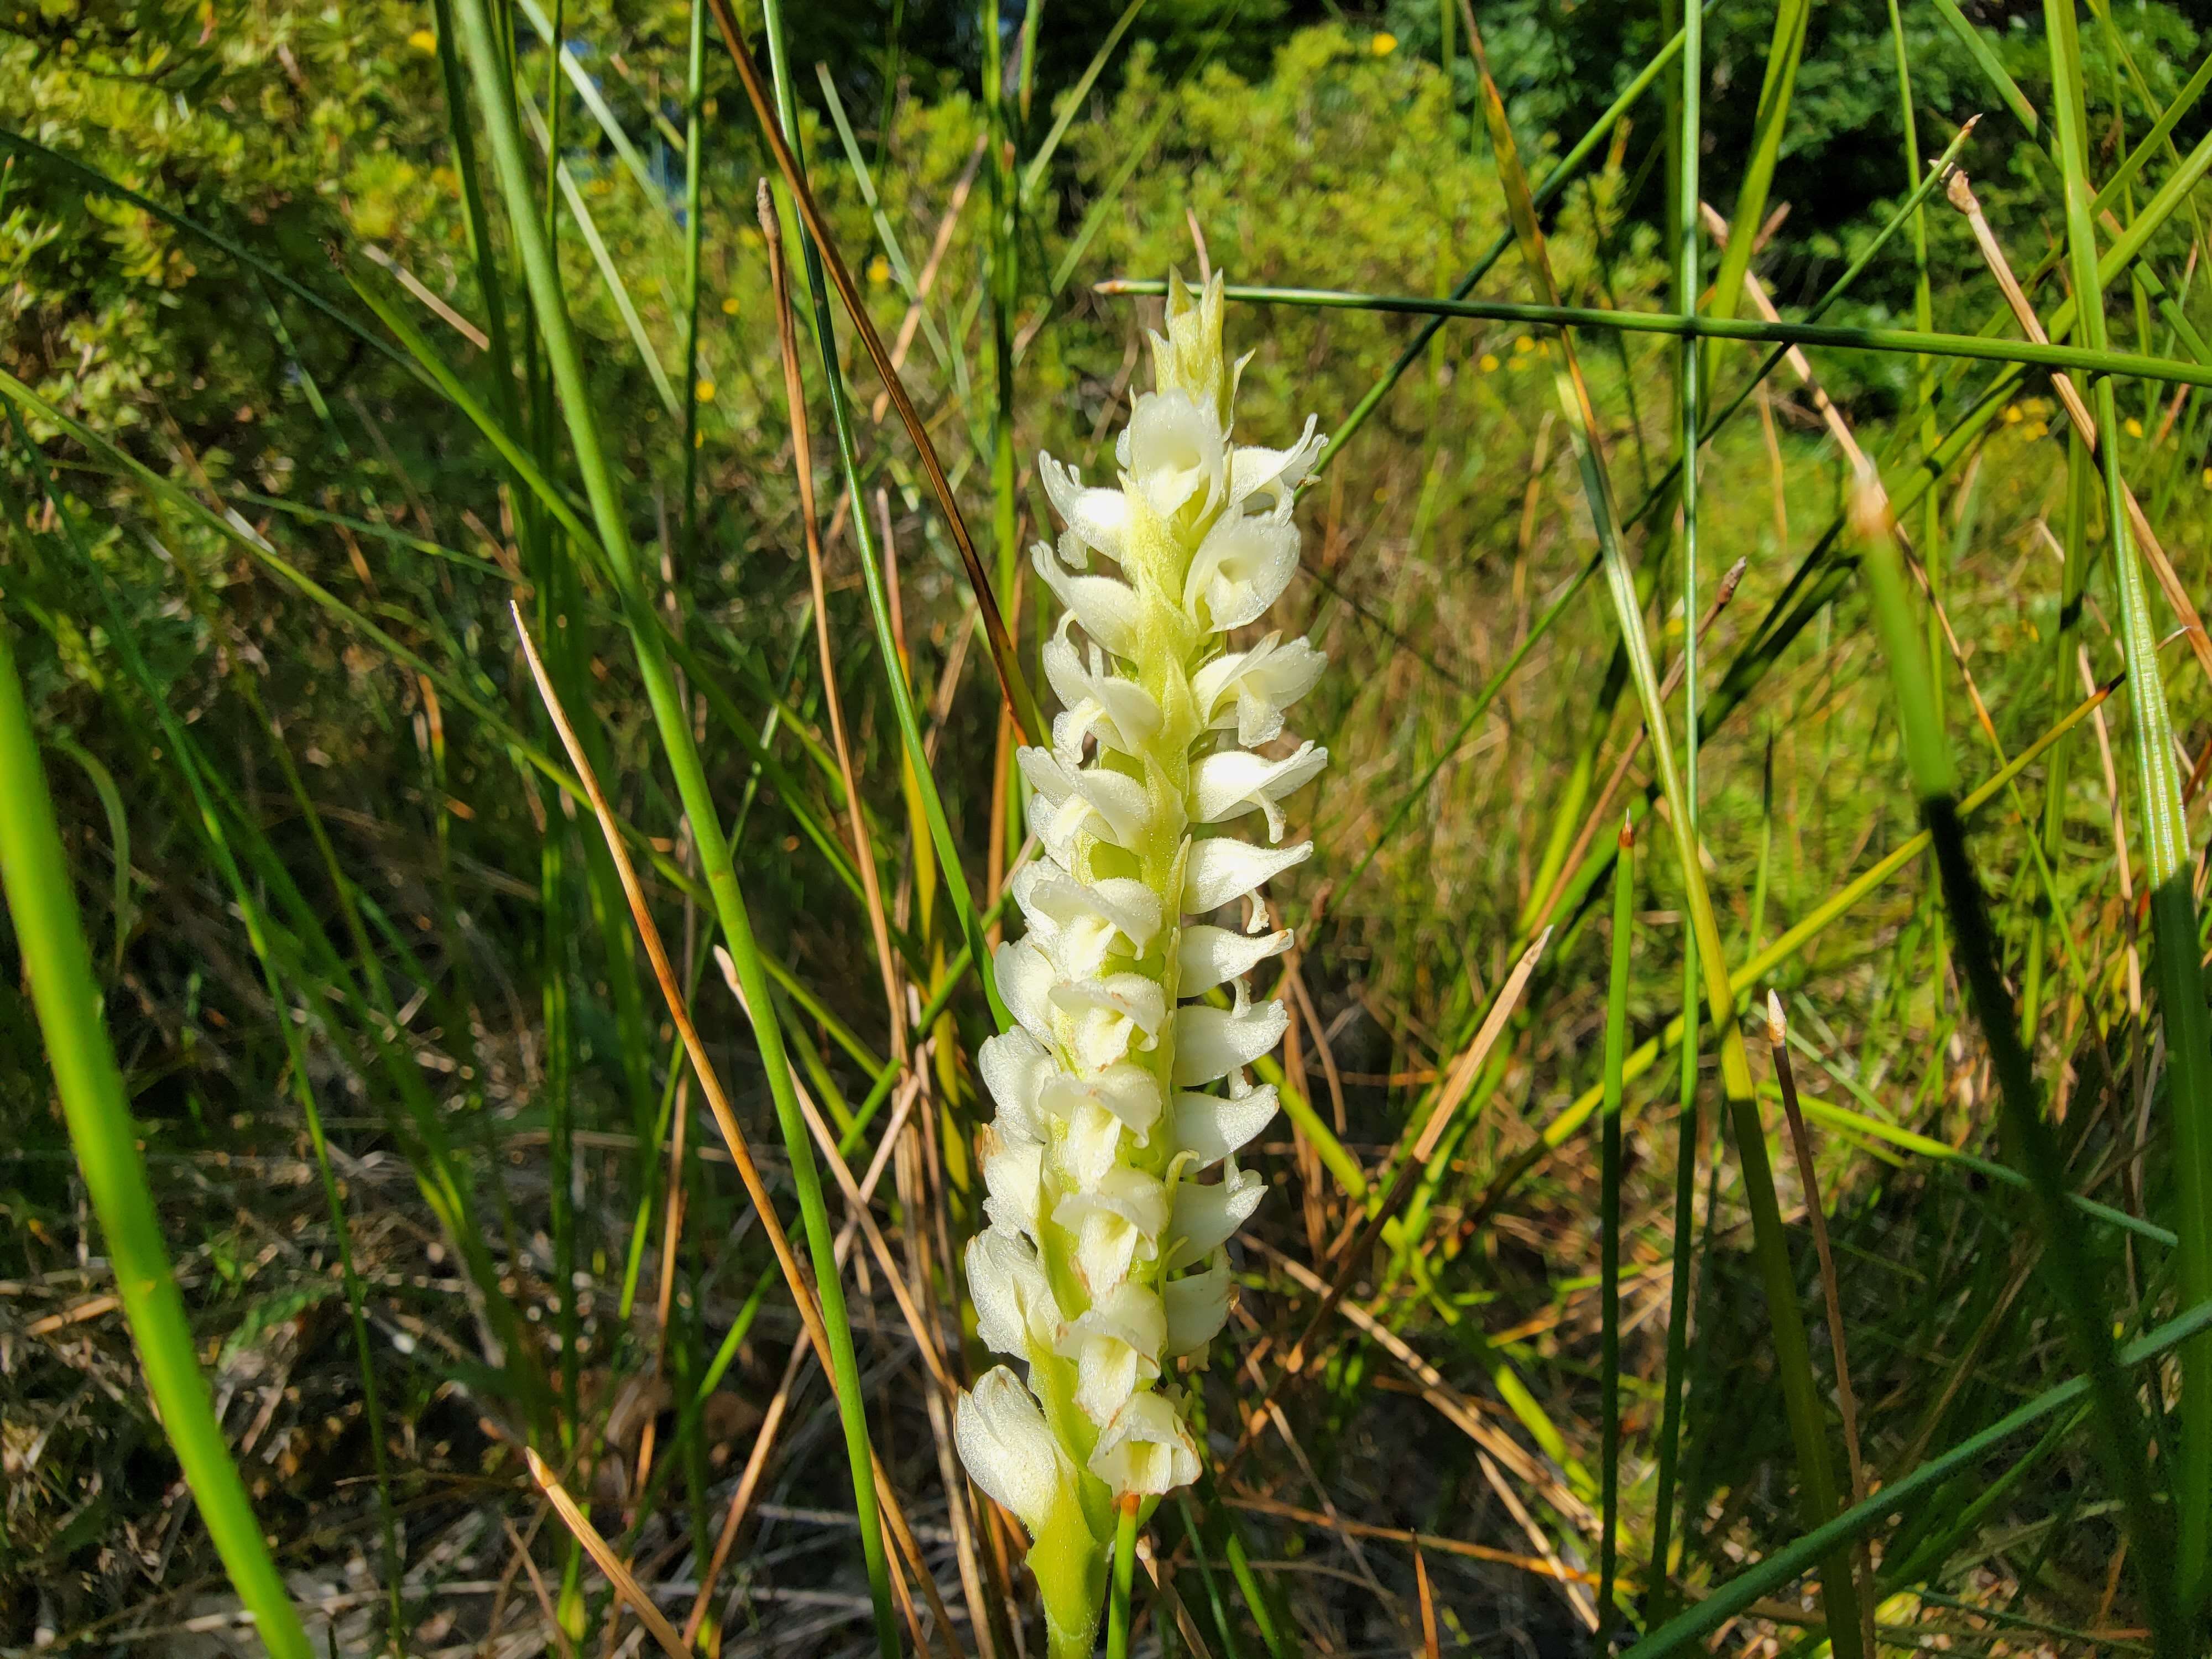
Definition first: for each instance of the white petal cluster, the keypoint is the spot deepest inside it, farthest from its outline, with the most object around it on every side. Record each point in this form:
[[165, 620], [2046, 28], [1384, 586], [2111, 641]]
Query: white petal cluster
[[1122, 1094]]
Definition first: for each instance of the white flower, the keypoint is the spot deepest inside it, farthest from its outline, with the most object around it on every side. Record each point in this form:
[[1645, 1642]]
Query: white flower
[[1206, 1214], [1007, 1449], [1145, 1449], [1015, 1312], [1248, 690], [1198, 1306], [1114, 1346], [1110, 1171]]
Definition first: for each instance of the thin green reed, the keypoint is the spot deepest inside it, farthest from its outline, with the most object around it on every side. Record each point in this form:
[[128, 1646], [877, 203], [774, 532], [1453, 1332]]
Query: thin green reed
[[672, 721], [42, 902], [1616, 1050], [2174, 938], [189, 762], [1793, 1357], [2032, 1143], [1686, 145], [1732, 1598], [694, 147]]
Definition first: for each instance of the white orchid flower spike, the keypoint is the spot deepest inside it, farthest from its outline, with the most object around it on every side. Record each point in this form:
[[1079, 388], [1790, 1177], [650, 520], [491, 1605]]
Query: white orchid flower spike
[[1120, 1092]]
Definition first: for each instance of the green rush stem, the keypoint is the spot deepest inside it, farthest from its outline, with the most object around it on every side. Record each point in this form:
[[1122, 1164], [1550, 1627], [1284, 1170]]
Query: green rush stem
[[1793, 1559], [2080, 483], [1555, 181], [1707, 327], [694, 134], [2034, 1147], [871, 558], [1793, 1355], [673, 719], [2174, 939], [42, 902], [1125, 1561], [1616, 1048], [1686, 143]]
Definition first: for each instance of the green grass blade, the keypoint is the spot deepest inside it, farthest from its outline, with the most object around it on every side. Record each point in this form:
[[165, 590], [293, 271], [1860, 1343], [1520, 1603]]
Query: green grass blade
[[41, 900], [1910, 341], [1793, 1357], [1986, 59], [2175, 941], [1616, 1048], [1863, 1520], [1072, 102], [672, 721], [2032, 1143], [1769, 127]]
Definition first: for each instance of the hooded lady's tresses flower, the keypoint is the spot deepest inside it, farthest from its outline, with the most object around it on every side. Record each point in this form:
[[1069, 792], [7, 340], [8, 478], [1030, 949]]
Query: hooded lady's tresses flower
[[1121, 1096]]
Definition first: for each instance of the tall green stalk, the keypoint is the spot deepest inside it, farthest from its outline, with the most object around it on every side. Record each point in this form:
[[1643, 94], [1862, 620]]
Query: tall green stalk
[[1616, 1049], [2175, 941], [42, 903], [672, 721], [2035, 1146], [1801, 1392]]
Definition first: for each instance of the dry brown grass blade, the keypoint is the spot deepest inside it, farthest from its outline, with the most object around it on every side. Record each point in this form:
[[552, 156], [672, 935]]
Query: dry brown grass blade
[[1553, 1569], [926, 279], [1462, 1414], [1431, 1647], [802, 1293], [772, 1421], [671, 991], [1343, 1263], [603, 1555], [1962, 193], [802, 468], [925, 1337], [1011, 685]]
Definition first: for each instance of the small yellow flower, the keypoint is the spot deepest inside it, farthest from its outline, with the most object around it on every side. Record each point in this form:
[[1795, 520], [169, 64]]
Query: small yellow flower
[[1522, 345], [730, 306], [422, 40], [1487, 363], [2208, 478], [2035, 429], [2134, 427], [2013, 416], [704, 391], [879, 270], [1382, 44]]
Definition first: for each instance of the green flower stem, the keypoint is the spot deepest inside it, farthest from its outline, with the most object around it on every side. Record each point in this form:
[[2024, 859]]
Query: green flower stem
[[41, 900], [672, 719], [1125, 1555]]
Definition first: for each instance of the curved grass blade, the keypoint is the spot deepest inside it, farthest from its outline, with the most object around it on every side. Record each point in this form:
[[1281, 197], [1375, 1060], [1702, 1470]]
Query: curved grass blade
[[1863, 1520], [1793, 1356], [41, 900], [1012, 686], [2175, 941], [2032, 1143]]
